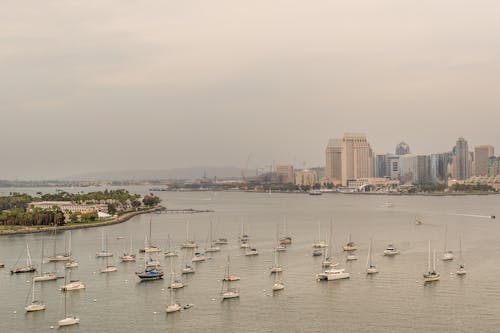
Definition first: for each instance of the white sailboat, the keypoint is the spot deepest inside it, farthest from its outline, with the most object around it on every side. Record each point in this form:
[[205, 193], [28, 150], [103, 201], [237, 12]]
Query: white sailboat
[[29, 265], [174, 283], [44, 276], [72, 263], [370, 266], [251, 251], [58, 256], [276, 268], [35, 305], [108, 268], [286, 239], [319, 243], [150, 248], [243, 237], [227, 292], [278, 283], [103, 253], [447, 255], [211, 246], [461, 265], [227, 275], [188, 243], [279, 247], [170, 252], [68, 319], [431, 275], [173, 306], [128, 256], [350, 245], [327, 259]]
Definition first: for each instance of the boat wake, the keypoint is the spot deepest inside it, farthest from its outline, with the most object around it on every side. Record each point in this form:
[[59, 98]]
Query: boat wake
[[477, 216]]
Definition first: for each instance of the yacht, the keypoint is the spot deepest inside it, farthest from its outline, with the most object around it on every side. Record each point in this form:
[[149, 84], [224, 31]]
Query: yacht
[[333, 274], [350, 246], [188, 243], [73, 285], [68, 320], [103, 253], [170, 252], [188, 269], [35, 305], [29, 268], [44, 276], [370, 267], [198, 256], [276, 267], [213, 247], [461, 266], [150, 274], [251, 252]]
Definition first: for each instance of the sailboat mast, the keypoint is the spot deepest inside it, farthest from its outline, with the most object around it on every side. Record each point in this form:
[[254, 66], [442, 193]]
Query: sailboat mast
[[149, 232], [69, 245], [429, 258], [445, 237], [41, 261], [434, 262]]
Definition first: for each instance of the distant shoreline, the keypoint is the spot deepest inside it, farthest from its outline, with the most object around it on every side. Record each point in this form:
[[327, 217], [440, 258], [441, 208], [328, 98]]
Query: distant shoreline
[[37, 229]]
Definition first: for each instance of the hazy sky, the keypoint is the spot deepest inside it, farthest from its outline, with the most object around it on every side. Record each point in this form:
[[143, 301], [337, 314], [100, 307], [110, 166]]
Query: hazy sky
[[106, 85]]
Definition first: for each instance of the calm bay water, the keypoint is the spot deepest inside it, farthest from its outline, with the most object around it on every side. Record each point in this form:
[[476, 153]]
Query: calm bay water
[[395, 300]]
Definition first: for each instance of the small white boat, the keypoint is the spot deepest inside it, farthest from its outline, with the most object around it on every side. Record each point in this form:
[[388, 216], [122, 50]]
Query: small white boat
[[213, 249], [170, 253], [333, 274], [350, 246], [227, 276], [221, 241], [150, 262], [276, 268], [244, 245], [351, 257], [109, 269], [198, 256], [431, 275], [73, 285], [251, 252], [173, 308], [390, 251], [278, 286], [68, 321], [188, 269], [174, 282], [230, 293], [128, 257], [281, 248], [418, 221], [188, 243], [35, 305], [72, 263], [447, 255], [45, 277]]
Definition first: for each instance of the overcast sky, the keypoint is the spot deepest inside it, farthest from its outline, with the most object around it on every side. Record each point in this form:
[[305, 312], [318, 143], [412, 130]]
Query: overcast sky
[[106, 85]]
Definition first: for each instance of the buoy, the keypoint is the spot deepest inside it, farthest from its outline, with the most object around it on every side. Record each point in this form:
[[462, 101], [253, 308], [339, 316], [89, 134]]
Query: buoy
[[95, 299], [15, 311], [51, 327]]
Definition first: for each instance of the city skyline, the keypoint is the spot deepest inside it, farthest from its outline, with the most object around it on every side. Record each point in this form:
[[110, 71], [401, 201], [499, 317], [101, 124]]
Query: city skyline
[[125, 86]]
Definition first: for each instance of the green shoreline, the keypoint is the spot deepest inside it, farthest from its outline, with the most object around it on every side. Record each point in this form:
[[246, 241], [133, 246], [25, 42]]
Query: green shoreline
[[120, 219]]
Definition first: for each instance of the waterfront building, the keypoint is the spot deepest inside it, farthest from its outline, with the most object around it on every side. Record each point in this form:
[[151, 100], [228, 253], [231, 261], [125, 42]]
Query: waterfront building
[[439, 167], [402, 148], [305, 177], [381, 166], [461, 164], [393, 166], [357, 157], [68, 207], [415, 169], [481, 158], [285, 173], [333, 165], [494, 166]]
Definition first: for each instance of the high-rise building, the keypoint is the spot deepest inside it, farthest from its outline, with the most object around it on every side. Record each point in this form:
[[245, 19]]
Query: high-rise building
[[357, 157], [285, 173], [461, 160], [439, 167], [494, 166], [333, 166], [415, 169], [402, 148], [481, 157], [381, 166], [305, 177], [392, 166]]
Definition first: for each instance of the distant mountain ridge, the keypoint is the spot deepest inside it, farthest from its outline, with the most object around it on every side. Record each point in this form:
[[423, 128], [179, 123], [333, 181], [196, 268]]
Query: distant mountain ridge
[[176, 173]]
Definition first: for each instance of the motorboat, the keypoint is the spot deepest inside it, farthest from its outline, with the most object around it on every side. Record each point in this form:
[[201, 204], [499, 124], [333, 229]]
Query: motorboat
[[390, 251]]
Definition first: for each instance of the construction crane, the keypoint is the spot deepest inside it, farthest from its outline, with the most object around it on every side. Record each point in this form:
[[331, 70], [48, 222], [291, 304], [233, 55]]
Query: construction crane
[[244, 170]]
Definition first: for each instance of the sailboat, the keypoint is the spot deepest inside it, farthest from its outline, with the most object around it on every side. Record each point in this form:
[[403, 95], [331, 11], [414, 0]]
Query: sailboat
[[198, 256], [350, 245], [128, 257], [103, 253], [251, 251], [211, 247], [170, 252], [319, 244], [188, 243], [243, 237], [461, 266], [276, 267], [327, 259], [44, 276], [448, 255], [370, 267], [150, 272], [278, 283], [108, 268], [29, 265], [227, 275], [173, 306], [58, 256], [431, 275], [333, 274], [174, 283], [72, 263], [35, 305], [390, 251], [150, 248], [279, 247], [68, 320], [286, 239], [227, 292]]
